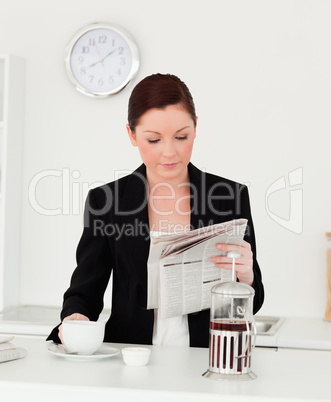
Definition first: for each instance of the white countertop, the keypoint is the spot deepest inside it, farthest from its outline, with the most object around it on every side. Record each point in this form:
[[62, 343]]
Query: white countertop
[[299, 333], [34, 320], [174, 373]]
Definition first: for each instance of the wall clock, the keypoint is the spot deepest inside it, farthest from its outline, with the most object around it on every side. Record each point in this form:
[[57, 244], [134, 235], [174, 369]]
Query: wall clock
[[101, 59]]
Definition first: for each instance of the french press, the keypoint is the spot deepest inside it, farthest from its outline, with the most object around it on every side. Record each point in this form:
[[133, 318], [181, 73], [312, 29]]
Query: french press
[[232, 330]]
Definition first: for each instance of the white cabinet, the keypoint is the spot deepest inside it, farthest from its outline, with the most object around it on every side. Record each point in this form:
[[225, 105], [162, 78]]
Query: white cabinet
[[12, 79]]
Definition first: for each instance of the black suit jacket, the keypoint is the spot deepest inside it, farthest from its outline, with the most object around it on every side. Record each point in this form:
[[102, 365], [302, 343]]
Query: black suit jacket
[[116, 239]]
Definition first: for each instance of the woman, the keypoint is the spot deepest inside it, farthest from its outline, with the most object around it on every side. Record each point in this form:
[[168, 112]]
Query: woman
[[165, 194]]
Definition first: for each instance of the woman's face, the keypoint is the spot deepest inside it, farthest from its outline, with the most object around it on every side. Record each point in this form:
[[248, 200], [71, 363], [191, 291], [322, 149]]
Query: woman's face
[[165, 139]]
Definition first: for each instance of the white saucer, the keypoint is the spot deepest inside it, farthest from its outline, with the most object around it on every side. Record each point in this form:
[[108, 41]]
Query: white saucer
[[102, 353]]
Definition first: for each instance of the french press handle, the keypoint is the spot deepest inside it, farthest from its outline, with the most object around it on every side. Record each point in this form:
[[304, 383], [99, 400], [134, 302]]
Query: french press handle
[[242, 311]]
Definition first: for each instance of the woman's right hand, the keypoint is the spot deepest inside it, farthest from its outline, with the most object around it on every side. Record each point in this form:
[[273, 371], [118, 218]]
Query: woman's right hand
[[73, 317]]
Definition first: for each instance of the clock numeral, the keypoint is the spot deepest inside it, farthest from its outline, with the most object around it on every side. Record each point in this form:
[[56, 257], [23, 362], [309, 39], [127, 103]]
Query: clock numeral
[[85, 49], [111, 80], [119, 71], [120, 50], [100, 81], [91, 42], [91, 78], [81, 59], [102, 39], [82, 71], [122, 61]]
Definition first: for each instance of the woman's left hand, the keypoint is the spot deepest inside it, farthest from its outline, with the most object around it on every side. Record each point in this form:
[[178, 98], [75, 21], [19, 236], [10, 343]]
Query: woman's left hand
[[243, 264]]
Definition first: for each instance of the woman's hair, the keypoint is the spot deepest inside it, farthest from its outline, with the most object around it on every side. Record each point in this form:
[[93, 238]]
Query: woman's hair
[[158, 91]]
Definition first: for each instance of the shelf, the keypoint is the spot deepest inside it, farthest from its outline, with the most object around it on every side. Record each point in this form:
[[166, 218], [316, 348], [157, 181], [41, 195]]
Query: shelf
[[12, 83]]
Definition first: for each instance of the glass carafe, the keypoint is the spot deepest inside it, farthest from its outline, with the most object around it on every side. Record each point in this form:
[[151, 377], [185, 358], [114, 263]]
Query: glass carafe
[[232, 332]]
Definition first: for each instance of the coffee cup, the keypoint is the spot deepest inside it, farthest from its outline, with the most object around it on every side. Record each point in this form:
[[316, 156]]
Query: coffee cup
[[83, 337]]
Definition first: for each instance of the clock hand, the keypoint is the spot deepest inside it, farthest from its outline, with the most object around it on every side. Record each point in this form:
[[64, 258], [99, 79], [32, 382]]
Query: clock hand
[[110, 53], [99, 61], [94, 64], [102, 60]]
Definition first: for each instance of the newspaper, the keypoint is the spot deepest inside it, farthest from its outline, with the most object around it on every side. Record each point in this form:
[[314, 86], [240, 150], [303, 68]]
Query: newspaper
[[180, 273]]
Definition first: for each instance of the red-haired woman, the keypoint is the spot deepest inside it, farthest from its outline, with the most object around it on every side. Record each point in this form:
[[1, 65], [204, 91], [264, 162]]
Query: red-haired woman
[[167, 194]]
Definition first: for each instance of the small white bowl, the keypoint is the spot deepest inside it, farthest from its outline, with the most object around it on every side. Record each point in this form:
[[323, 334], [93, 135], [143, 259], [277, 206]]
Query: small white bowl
[[136, 356]]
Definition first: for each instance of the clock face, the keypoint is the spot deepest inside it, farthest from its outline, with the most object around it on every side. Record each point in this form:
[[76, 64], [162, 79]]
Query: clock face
[[101, 60]]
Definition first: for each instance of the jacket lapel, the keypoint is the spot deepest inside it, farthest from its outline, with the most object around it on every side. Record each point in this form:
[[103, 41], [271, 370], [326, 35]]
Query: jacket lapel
[[133, 217]]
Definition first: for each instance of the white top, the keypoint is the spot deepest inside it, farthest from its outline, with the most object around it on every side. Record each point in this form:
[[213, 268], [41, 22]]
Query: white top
[[170, 331]]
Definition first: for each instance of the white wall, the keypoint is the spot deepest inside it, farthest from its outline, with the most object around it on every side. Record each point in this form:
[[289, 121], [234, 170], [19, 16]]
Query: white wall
[[260, 75]]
